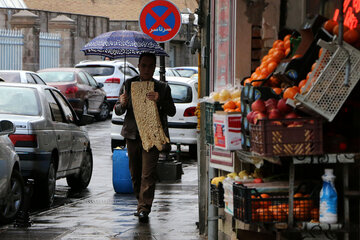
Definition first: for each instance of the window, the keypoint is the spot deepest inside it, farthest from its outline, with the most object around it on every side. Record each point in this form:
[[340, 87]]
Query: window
[[29, 78], [127, 71], [10, 76], [181, 93], [91, 80], [57, 76], [55, 109], [98, 70], [38, 80], [69, 116], [83, 78], [18, 100]]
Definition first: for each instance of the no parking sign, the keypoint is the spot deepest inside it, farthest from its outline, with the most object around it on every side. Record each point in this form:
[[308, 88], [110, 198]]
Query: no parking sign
[[161, 20]]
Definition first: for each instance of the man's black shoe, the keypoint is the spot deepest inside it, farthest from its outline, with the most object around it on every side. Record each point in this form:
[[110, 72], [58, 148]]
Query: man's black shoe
[[144, 217], [136, 214]]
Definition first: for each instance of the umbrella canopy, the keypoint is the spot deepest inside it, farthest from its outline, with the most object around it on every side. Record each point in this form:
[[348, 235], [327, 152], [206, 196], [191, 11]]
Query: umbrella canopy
[[122, 43]]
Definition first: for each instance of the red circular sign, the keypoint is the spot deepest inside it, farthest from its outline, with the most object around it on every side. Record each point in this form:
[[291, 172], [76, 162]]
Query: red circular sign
[[161, 20]]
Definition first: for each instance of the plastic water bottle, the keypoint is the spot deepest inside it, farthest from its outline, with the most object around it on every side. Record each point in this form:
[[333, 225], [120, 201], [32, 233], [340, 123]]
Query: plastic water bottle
[[328, 198]]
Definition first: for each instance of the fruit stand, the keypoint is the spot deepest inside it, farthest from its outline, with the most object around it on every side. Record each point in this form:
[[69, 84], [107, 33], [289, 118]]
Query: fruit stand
[[297, 117]]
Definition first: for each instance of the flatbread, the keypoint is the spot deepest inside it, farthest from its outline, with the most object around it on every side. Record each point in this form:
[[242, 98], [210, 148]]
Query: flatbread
[[147, 116]]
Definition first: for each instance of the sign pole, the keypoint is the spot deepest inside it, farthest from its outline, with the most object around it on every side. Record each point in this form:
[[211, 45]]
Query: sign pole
[[162, 64]]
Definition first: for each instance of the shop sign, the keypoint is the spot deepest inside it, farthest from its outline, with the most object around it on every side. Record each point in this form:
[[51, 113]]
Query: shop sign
[[222, 52], [351, 13]]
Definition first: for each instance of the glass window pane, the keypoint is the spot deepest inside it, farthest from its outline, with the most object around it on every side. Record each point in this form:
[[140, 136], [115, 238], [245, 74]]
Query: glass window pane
[[181, 93], [57, 76], [54, 107]]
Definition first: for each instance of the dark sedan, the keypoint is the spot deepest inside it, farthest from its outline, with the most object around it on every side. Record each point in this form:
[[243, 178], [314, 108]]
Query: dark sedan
[[85, 95]]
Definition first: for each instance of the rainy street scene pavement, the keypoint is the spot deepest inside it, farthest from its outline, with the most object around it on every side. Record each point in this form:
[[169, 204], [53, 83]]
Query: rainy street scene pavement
[[100, 213]]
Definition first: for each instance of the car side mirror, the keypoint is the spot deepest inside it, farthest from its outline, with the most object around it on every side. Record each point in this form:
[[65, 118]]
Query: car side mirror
[[6, 127], [86, 119], [100, 85]]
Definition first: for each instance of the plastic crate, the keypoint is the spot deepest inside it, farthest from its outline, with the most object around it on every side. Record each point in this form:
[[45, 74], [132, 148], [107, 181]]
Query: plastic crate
[[217, 195], [251, 206], [287, 137], [210, 108], [328, 92]]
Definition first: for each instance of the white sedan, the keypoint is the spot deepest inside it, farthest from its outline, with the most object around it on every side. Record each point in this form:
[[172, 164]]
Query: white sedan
[[182, 126], [48, 138], [11, 181]]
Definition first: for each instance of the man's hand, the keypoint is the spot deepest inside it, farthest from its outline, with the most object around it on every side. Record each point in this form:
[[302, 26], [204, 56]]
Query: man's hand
[[153, 96], [123, 99]]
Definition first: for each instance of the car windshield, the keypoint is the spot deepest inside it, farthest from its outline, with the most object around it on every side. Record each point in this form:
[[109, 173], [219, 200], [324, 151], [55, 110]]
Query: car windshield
[[57, 76], [168, 73], [18, 100], [10, 76], [186, 72], [98, 70], [181, 93]]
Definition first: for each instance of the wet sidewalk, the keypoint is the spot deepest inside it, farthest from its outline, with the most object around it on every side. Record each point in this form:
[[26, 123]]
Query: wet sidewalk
[[107, 215]]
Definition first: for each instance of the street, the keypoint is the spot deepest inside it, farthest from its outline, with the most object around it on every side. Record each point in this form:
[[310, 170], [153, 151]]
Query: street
[[99, 213]]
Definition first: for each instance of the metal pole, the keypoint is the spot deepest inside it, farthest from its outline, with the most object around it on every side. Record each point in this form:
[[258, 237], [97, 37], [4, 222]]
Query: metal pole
[[162, 65]]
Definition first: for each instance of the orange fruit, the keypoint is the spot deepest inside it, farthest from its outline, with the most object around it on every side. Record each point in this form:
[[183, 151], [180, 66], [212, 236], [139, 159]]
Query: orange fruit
[[287, 37], [276, 43], [287, 44], [314, 213], [320, 52], [302, 83], [264, 215], [229, 105], [296, 56], [290, 93], [274, 81], [277, 90], [336, 29], [278, 55], [329, 25], [278, 213], [287, 51], [313, 66], [351, 36], [248, 80], [271, 66], [256, 83], [298, 195]]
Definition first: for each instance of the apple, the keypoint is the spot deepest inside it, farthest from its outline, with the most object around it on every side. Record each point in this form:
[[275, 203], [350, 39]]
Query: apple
[[258, 105], [283, 107], [258, 116], [250, 116], [291, 115], [274, 114], [271, 103]]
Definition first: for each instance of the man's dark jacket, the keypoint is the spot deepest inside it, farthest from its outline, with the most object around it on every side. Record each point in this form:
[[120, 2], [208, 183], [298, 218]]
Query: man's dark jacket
[[165, 105]]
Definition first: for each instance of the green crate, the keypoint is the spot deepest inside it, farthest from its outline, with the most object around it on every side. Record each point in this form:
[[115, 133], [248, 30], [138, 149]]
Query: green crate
[[210, 108]]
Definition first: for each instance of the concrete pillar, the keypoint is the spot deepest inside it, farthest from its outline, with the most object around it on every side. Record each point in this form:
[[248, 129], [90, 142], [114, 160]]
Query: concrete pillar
[[29, 24], [64, 26]]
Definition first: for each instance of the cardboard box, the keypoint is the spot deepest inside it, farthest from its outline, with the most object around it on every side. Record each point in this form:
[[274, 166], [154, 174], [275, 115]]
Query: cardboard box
[[227, 128]]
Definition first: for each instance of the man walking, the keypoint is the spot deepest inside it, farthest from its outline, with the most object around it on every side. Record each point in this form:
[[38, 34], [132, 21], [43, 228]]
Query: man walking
[[142, 164]]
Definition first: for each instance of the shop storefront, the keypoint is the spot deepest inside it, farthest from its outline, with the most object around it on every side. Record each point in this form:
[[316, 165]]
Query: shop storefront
[[279, 97]]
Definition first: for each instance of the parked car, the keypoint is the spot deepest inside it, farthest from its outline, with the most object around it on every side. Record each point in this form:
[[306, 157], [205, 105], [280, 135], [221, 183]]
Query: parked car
[[169, 72], [84, 93], [186, 71], [111, 73], [48, 137], [11, 181], [20, 76], [182, 126]]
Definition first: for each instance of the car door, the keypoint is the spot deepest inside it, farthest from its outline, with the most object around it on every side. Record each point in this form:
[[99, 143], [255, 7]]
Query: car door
[[92, 91], [98, 92], [29, 78], [62, 132], [79, 142]]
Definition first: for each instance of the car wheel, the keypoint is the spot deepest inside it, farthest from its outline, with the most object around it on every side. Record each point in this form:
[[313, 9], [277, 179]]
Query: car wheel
[[82, 179], [104, 112], [14, 200], [193, 150], [117, 143], [44, 189]]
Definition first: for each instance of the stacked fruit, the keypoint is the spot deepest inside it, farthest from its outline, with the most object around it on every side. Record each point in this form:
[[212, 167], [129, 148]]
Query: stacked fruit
[[279, 50], [351, 36], [266, 208], [270, 109], [226, 94]]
